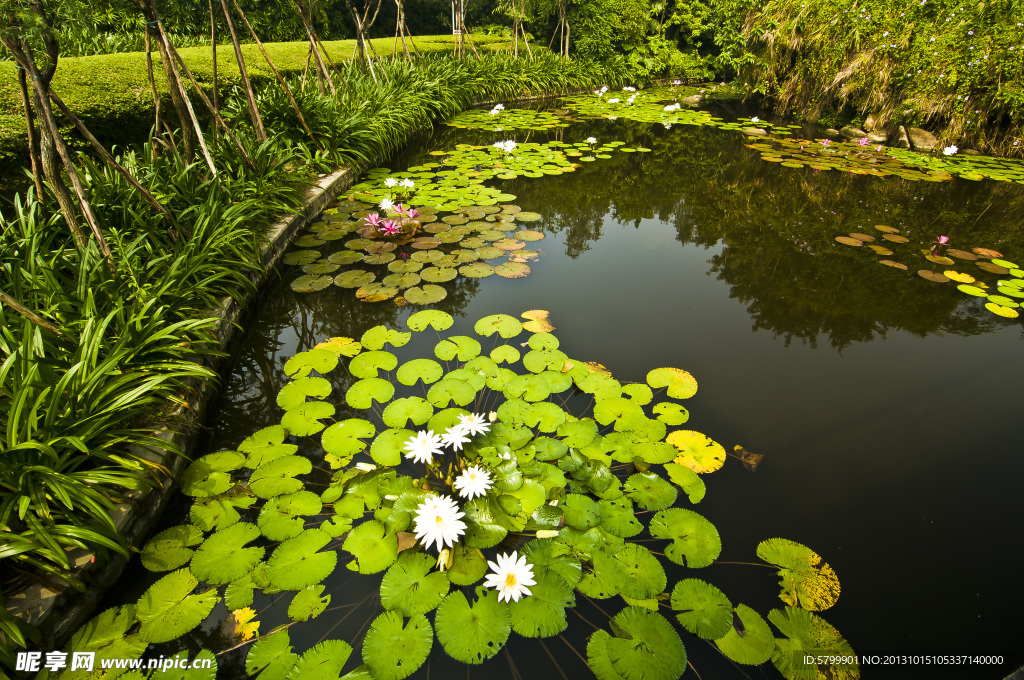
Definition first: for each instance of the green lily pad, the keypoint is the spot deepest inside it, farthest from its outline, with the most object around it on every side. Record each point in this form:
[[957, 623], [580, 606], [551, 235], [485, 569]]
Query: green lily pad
[[472, 633], [478, 270], [425, 295], [704, 610], [649, 491], [171, 548], [322, 661], [304, 419], [344, 439], [277, 477], [435, 318], [222, 558], [645, 647], [411, 586], [754, 645], [401, 411], [295, 392], [282, 517], [439, 274], [354, 278], [319, 360], [168, 610], [364, 392], [680, 384], [695, 540], [688, 480], [542, 614], [374, 549], [295, 564], [210, 475], [394, 649], [671, 413], [308, 603]]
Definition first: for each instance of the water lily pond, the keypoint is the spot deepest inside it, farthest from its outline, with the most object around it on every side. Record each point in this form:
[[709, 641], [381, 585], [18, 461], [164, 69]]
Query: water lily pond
[[814, 345]]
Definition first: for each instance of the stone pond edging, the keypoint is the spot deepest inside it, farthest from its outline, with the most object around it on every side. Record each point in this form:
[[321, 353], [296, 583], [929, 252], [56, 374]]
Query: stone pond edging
[[57, 610]]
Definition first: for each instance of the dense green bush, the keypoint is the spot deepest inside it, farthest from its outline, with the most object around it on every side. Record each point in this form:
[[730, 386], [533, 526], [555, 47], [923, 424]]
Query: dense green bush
[[955, 68]]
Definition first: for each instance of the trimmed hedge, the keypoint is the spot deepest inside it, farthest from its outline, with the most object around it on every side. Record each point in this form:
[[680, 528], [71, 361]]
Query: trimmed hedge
[[110, 92]]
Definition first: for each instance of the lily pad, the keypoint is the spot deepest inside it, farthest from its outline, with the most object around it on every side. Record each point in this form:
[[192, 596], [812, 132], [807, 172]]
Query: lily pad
[[168, 610], [412, 586], [697, 451], [222, 558], [645, 647], [807, 634], [512, 270], [393, 649], [807, 582], [704, 610], [749, 641], [680, 384], [695, 540], [934, 277], [425, 295], [473, 633], [295, 564]]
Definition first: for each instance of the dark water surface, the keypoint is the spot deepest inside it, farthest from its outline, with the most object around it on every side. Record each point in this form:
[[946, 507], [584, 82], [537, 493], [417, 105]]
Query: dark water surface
[[888, 408]]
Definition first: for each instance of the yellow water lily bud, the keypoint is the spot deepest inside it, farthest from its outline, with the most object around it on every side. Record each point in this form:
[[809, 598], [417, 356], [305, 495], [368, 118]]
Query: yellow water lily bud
[[444, 560], [546, 533]]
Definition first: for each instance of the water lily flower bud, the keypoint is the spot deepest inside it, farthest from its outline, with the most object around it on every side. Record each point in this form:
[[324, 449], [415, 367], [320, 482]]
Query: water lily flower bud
[[546, 533]]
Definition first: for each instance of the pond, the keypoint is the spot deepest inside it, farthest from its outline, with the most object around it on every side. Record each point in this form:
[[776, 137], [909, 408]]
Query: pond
[[885, 405]]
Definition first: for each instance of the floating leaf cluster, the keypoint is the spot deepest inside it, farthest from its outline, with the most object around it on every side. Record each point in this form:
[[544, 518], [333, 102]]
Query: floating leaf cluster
[[475, 242], [973, 167], [1004, 296], [510, 119], [588, 503], [845, 157]]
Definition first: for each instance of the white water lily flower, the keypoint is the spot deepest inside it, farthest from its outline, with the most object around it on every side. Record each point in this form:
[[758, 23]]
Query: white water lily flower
[[386, 204], [950, 150], [511, 577], [604, 88], [475, 481], [629, 89], [494, 112], [591, 140], [390, 182], [613, 101], [474, 424], [755, 119], [407, 183], [366, 467], [455, 437], [423, 446], [438, 522], [499, 107], [509, 145]]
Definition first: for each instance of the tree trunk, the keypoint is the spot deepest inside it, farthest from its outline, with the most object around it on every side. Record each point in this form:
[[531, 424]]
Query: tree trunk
[[213, 57], [250, 96], [30, 126], [280, 80], [174, 86], [321, 69]]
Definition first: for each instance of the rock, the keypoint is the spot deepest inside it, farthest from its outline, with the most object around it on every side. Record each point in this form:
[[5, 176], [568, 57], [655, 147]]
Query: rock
[[877, 138], [831, 132], [902, 141], [758, 132], [870, 122], [851, 132], [692, 100], [922, 139]]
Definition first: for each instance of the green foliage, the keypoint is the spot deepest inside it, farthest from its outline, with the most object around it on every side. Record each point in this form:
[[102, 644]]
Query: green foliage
[[958, 68]]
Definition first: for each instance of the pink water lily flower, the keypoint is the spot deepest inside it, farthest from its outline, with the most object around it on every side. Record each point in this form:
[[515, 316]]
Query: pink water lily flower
[[826, 142], [942, 240], [400, 209], [412, 214], [372, 220], [390, 228], [879, 148], [863, 141]]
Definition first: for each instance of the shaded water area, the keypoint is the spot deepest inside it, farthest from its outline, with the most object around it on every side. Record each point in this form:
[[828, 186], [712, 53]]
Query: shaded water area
[[886, 406]]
